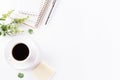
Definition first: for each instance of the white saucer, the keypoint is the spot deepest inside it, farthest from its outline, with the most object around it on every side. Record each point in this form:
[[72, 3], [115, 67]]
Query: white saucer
[[31, 61]]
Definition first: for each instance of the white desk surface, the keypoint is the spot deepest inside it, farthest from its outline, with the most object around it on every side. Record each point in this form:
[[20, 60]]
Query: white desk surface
[[81, 41]]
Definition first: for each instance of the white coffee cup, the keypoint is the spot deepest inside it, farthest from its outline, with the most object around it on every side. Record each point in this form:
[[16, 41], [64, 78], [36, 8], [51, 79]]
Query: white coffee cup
[[29, 61]]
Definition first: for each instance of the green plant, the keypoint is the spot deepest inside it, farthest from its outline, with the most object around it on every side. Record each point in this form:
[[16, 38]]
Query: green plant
[[12, 27]]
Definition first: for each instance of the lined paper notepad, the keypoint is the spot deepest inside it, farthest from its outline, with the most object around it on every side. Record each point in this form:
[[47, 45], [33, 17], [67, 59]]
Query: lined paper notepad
[[35, 9]]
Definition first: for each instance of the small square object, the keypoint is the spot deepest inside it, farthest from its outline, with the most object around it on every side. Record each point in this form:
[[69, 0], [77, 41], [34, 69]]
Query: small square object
[[42, 72]]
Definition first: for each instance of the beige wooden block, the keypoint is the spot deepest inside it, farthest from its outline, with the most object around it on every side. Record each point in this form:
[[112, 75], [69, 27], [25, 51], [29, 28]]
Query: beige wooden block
[[42, 72]]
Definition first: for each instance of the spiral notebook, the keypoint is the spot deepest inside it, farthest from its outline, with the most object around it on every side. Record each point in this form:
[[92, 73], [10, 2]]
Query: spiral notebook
[[35, 9]]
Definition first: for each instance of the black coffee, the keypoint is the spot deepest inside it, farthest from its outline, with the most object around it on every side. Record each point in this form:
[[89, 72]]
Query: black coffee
[[20, 52]]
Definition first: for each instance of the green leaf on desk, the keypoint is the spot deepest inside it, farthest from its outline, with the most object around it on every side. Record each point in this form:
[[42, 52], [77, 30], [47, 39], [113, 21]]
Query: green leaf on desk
[[30, 31], [20, 75]]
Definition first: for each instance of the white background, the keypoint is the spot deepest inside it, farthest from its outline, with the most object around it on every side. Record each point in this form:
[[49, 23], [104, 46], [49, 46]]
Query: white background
[[81, 41]]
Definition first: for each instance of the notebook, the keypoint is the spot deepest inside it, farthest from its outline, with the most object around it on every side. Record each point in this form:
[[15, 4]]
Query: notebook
[[35, 9], [43, 72]]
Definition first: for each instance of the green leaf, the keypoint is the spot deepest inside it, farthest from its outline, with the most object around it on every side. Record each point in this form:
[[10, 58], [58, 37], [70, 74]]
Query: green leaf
[[2, 19], [19, 20], [4, 34], [30, 31], [4, 27], [0, 33], [4, 16], [20, 75]]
